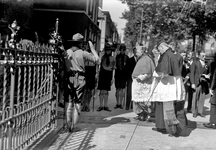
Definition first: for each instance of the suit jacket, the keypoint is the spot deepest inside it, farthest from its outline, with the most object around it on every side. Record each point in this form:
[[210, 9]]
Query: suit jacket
[[213, 85], [129, 67], [196, 70]]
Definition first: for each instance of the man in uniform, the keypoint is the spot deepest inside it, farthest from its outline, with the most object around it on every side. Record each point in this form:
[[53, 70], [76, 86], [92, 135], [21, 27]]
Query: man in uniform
[[120, 79], [75, 77]]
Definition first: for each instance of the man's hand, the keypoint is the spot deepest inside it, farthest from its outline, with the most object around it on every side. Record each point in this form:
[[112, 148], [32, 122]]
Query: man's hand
[[93, 51], [112, 81], [211, 92], [207, 76], [193, 86]]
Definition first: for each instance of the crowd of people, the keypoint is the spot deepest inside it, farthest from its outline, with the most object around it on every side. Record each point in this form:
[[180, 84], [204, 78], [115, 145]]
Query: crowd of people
[[149, 87]]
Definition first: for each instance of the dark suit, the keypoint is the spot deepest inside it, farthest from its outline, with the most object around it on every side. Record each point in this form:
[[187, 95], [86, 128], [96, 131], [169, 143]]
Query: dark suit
[[212, 119], [130, 65], [196, 71], [187, 85]]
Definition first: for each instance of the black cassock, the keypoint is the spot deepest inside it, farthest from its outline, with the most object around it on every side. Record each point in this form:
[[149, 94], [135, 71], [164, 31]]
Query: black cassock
[[168, 64]]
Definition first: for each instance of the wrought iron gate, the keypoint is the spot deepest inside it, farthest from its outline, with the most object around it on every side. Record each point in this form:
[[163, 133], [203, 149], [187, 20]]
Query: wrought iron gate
[[27, 94]]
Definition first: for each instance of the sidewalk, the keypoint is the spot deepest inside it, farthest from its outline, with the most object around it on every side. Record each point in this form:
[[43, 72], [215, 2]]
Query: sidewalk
[[117, 130]]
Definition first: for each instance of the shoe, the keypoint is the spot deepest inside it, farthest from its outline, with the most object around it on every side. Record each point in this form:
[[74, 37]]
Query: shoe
[[189, 111], [155, 129], [100, 108], [136, 118], [120, 106], [84, 109], [159, 130], [116, 106], [201, 115], [61, 105], [210, 125], [76, 129], [87, 110], [106, 109], [147, 118]]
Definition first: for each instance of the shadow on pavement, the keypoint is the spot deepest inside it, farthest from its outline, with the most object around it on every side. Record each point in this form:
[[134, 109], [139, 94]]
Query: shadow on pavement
[[82, 139], [192, 125]]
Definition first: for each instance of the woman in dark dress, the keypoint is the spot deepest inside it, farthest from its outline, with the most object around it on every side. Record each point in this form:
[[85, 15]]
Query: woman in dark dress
[[105, 77]]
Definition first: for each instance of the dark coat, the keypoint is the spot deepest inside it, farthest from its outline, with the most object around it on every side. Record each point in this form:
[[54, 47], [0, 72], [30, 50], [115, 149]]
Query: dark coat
[[196, 72], [213, 86], [129, 67]]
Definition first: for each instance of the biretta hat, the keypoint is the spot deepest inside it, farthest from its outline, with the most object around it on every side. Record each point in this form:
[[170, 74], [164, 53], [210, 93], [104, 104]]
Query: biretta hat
[[163, 47]]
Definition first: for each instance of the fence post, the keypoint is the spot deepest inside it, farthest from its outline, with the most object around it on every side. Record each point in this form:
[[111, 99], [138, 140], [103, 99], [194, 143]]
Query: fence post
[[10, 123]]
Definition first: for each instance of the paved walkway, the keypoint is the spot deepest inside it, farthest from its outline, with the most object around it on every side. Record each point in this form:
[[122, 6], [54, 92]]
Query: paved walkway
[[117, 130]]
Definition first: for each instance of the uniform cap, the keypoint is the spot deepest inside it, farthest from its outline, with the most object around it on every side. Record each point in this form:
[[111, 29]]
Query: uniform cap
[[122, 47], [77, 37]]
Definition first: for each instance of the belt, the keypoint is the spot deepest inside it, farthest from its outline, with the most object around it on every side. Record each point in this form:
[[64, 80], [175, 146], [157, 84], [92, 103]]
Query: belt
[[73, 73]]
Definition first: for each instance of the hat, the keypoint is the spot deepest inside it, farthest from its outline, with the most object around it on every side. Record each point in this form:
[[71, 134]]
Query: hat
[[163, 47], [122, 47], [77, 37], [107, 47]]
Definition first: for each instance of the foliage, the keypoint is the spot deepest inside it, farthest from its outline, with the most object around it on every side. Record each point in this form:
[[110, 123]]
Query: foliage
[[170, 17]]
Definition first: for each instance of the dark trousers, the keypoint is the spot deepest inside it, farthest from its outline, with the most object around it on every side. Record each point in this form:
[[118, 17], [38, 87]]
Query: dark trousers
[[212, 119], [188, 95], [198, 100], [128, 96]]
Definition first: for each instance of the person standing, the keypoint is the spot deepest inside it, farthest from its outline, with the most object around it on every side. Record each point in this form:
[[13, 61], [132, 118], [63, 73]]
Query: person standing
[[187, 83], [107, 66], [74, 75], [120, 79], [198, 79], [179, 105], [90, 75], [131, 63], [212, 119], [167, 87], [141, 85]]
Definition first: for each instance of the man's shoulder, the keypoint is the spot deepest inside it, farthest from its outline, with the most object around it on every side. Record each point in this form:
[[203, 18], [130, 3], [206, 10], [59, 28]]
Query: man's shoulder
[[131, 58]]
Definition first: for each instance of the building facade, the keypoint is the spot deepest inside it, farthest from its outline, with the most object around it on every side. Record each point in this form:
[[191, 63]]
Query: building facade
[[75, 16], [109, 33]]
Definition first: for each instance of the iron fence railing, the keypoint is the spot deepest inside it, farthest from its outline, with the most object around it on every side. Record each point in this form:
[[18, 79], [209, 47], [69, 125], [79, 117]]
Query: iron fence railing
[[27, 94]]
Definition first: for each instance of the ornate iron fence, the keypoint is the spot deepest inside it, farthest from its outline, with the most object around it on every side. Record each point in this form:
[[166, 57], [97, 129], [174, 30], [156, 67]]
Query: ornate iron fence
[[28, 96]]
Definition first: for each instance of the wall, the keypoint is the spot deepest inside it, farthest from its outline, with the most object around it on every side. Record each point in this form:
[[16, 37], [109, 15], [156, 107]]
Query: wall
[[20, 10]]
